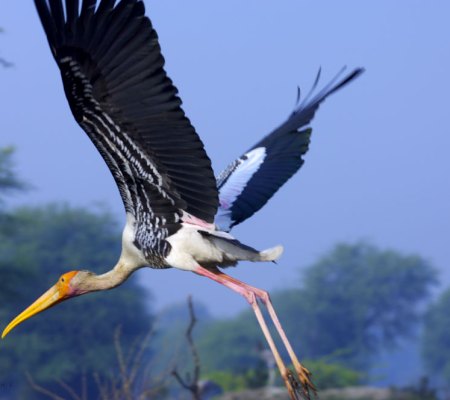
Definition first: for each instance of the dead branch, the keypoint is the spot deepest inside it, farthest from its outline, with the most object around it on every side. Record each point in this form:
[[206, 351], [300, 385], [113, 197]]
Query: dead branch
[[101, 387], [126, 384], [68, 389], [189, 384], [122, 387], [41, 389], [84, 386]]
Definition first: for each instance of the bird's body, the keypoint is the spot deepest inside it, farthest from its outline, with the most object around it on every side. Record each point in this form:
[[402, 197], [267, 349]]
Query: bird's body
[[192, 244], [177, 214]]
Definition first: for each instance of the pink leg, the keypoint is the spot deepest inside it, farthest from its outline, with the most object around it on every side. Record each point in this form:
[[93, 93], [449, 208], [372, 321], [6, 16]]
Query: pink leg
[[302, 372], [250, 293]]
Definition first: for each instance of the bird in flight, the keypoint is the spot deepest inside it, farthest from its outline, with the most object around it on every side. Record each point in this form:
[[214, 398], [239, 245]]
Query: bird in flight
[[177, 214]]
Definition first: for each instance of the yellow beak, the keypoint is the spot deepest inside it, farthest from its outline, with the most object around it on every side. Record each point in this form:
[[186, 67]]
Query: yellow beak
[[50, 298]]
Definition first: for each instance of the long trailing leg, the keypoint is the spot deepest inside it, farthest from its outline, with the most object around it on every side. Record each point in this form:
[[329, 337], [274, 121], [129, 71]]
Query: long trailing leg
[[303, 374], [251, 298], [251, 294]]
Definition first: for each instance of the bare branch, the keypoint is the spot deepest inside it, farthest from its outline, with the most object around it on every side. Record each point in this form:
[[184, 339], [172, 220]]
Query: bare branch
[[84, 386], [126, 387], [188, 383], [100, 386], [41, 389], [181, 381], [190, 340], [136, 362], [121, 386], [68, 389]]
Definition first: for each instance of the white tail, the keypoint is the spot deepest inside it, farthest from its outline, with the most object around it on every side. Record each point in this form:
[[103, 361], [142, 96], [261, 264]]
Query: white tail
[[271, 254]]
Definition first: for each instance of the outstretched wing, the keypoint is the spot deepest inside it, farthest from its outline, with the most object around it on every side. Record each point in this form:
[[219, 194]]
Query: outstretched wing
[[118, 91], [252, 179]]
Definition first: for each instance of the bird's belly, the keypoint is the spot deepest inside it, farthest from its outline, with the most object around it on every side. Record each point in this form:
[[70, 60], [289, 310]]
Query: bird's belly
[[189, 249]]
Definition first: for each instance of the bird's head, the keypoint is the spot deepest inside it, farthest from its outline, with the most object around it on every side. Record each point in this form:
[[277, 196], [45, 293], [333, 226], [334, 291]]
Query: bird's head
[[69, 285]]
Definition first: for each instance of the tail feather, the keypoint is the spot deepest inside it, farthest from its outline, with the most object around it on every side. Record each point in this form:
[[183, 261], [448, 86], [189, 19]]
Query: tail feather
[[234, 250], [272, 254]]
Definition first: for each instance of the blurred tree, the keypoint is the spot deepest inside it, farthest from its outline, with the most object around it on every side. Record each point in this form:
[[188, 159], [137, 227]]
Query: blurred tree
[[420, 391], [231, 381], [231, 345], [9, 181], [230, 353], [436, 338], [3, 62], [74, 339], [170, 336], [331, 376], [354, 301]]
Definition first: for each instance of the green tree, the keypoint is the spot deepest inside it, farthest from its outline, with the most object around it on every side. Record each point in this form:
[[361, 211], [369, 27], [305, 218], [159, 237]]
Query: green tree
[[75, 338], [231, 344], [329, 375], [354, 301], [9, 181], [230, 353], [436, 338]]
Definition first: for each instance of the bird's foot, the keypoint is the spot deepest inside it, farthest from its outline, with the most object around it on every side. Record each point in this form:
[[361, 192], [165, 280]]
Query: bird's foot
[[301, 388], [307, 387], [291, 385]]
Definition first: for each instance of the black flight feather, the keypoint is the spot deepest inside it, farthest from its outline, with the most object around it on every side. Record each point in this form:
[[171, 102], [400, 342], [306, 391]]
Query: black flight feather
[[112, 54]]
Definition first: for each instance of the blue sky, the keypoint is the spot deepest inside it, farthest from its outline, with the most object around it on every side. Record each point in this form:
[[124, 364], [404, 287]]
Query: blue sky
[[378, 166]]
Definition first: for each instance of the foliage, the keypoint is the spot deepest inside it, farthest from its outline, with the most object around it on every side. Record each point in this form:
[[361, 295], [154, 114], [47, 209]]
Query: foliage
[[75, 338], [325, 375], [354, 301], [227, 380], [230, 353], [9, 181], [436, 337], [332, 375], [231, 382], [231, 345], [134, 378]]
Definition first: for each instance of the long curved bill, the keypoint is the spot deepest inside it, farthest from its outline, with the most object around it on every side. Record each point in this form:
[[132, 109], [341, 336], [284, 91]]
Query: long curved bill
[[50, 298]]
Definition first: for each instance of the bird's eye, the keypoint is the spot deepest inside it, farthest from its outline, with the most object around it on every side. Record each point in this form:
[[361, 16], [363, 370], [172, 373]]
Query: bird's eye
[[62, 279]]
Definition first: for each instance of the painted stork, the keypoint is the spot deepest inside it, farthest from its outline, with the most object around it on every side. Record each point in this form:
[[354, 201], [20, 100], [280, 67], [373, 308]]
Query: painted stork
[[177, 214]]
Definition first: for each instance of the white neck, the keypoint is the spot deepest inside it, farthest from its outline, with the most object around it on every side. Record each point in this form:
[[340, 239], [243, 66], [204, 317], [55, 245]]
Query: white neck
[[119, 274], [116, 276]]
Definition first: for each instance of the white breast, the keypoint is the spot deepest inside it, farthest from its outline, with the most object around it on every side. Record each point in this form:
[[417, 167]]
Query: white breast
[[190, 248], [130, 253]]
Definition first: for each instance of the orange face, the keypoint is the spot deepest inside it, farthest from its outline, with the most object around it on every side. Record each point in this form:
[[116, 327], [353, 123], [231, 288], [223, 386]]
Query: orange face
[[64, 283], [61, 291]]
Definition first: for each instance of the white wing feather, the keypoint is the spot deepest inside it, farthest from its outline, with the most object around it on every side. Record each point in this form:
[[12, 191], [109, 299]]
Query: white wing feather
[[236, 183]]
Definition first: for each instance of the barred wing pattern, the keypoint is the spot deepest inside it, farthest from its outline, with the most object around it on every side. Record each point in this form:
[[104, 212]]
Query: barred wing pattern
[[251, 180], [119, 93]]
